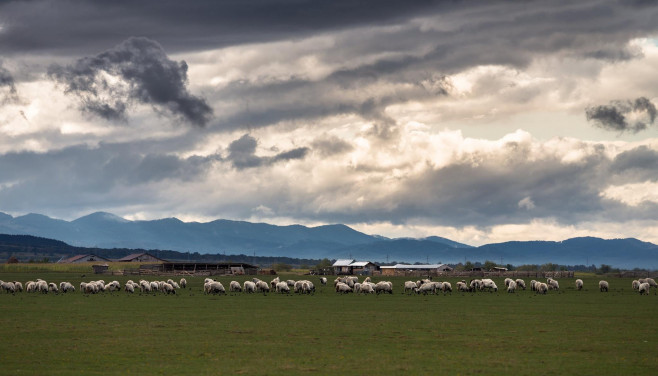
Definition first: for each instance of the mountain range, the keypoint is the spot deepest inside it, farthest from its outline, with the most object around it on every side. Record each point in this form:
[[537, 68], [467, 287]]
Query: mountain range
[[106, 230]]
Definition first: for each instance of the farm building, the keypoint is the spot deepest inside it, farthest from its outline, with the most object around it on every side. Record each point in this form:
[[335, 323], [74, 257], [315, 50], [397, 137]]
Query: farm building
[[82, 258], [141, 257], [402, 269], [348, 266], [199, 268]]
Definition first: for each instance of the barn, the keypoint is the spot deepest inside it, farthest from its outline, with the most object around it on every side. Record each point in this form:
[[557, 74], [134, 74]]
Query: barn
[[82, 258], [141, 257], [199, 268], [402, 269], [349, 266]]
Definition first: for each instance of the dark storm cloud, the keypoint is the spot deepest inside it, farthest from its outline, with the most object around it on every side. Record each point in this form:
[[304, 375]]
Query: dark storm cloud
[[8, 93], [242, 154], [82, 26], [143, 74], [615, 116]]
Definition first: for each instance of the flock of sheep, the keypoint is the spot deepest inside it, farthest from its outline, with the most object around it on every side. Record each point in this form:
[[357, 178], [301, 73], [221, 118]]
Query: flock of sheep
[[347, 284]]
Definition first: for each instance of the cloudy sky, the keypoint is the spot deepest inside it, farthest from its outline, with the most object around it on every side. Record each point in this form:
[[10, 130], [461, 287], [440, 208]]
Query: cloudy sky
[[478, 121]]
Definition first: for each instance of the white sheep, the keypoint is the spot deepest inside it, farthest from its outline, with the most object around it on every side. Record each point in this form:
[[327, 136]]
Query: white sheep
[[323, 281], [511, 286], [367, 280], [384, 287], [410, 286], [282, 288], [552, 284], [183, 283], [290, 283], [579, 284], [644, 288], [308, 287], [635, 284], [604, 286], [426, 288], [31, 286], [214, 287], [542, 288], [261, 286], [488, 284], [475, 285], [66, 287], [234, 286], [651, 282], [9, 287], [53, 287], [507, 281], [343, 288], [274, 282], [462, 286], [168, 288], [249, 287], [208, 280], [18, 286], [129, 287], [520, 284], [366, 288], [533, 285], [447, 287]]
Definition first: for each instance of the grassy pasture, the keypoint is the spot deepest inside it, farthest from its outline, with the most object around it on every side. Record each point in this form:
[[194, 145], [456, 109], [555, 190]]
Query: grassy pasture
[[567, 332]]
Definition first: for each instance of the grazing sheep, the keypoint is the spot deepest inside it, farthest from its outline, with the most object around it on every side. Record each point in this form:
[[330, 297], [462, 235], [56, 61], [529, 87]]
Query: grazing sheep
[[447, 287], [18, 286], [308, 287], [290, 283], [356, 288], [129, 287], [343, 288], [261, 286], [635, 284], [507, 281], [274, 282], [462, 286], [208, 280], [66, 287], [520, 284], [183, 283], [53, 287], [214, 287], [644, 288], [367, 280], [651, 282], [323, 281], [511, 287], [249, 287], [552, 284], [542, 288], [475, 285], [9, 287], [579, 284], [234, 286], [168, 288], [282, 288], [488, 284], [31, 286], [384, 286], [603, 286], [155, 286], [426, 288], [410, 286], [366, 288]]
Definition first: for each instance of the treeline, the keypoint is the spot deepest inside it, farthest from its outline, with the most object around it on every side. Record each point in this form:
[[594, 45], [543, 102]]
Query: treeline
[[26, 248]]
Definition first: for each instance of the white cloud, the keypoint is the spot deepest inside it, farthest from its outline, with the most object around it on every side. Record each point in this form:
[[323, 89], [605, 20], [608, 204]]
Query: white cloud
[[633, 194]]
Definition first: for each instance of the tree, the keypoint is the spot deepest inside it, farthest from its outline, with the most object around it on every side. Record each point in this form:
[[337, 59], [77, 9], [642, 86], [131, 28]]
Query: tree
[[604, 269], [489, 265], [323, 267], [468, 265], [12, 260], [282, 267]]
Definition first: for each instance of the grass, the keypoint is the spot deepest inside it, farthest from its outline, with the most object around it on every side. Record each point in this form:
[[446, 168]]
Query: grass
[[570, 332]]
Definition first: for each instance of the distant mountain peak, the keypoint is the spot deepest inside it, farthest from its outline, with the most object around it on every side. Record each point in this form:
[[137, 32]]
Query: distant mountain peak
[[101, 216]]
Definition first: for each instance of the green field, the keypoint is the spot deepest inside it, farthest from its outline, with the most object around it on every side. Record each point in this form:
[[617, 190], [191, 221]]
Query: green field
[[563, 333]]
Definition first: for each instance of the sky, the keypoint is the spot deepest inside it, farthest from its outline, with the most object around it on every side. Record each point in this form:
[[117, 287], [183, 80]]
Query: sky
[[479, 121]]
